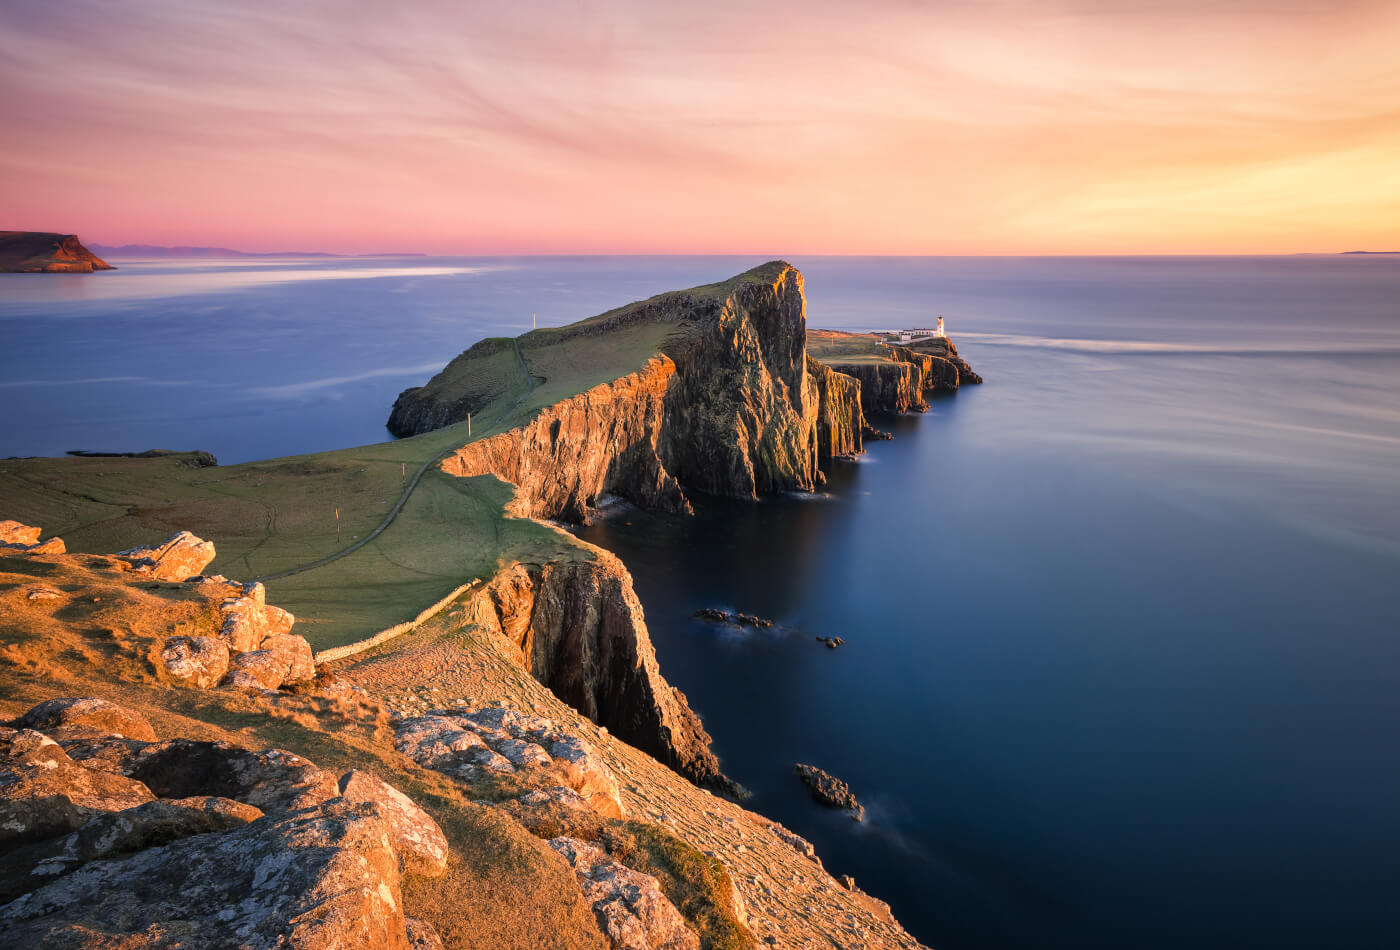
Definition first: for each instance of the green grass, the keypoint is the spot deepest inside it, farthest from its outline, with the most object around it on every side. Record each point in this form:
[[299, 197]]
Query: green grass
[[834, 348]]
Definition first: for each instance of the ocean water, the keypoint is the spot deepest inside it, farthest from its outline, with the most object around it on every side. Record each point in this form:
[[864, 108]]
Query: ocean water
[[1122, 625]]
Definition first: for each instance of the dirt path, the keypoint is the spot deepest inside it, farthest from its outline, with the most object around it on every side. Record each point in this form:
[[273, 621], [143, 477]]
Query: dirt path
[[408, 489]]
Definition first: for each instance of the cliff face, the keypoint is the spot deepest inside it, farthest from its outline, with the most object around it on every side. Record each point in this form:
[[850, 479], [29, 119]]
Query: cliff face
[[35, 252], [579, 629], [889, 387], [733, 408], [840, 419], [602, 440], [897, 378], [740, 417]]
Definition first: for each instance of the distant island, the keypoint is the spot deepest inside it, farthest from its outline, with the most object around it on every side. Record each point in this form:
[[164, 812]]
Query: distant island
[[156, 250], [1371, 252], [45, 252]]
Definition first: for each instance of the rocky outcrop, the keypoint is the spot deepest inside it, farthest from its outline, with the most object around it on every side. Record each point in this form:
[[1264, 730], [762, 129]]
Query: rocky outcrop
[[38, 252], [942, 349], [180, 558], [629, 905], [24, 539], [196, 662], [198, 844], [79, 717], [503, 742], [453, 393], [417, 838], [830, 790], [579, 628]]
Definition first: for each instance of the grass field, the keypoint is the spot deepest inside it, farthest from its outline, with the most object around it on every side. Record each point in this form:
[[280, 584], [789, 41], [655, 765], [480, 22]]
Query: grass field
[[832, 346]]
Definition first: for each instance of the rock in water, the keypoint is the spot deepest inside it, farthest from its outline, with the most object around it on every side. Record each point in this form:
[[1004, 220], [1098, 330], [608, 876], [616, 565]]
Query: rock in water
[[830, 790], [38, 252]]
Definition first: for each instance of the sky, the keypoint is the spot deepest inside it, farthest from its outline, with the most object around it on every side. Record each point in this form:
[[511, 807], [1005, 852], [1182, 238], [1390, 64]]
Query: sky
[[647, 126]]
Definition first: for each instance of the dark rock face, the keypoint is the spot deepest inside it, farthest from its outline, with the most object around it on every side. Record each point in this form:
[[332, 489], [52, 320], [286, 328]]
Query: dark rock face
[[830, 790], [840, 415], [892, 387], [580, 630], [39, 252]]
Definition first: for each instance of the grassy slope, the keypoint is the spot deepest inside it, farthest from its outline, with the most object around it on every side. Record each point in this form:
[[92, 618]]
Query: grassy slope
[[265, 517], [832, 346]]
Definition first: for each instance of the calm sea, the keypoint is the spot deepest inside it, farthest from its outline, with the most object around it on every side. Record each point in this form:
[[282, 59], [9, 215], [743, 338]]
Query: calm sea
[[1122, 626]]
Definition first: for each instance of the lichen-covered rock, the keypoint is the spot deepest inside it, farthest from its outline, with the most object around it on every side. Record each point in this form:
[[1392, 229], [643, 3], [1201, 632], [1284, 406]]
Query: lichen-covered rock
[[417, 838], [258, 669], [274, 780], [23, 538], [104, 753], [422, 935], [830, 790], [322, 879], [178, 558], [45, 793], [471, 745], [293, 657], [629, 905], [249, 620], [195, 662], [87, 715]]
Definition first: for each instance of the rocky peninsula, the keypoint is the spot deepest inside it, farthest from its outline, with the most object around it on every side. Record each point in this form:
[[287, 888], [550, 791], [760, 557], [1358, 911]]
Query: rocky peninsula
[[492, 671], [42, 252]]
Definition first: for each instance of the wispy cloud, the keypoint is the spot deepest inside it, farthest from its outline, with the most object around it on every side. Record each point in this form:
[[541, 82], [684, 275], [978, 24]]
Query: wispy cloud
[[305, 387]]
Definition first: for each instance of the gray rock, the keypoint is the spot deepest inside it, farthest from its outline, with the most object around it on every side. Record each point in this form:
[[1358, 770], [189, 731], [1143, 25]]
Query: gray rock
[[45, 793], [322, 879], [256, 669], [89, 715], [420, 843], [293, 656], [629, 905], [194, 662], [274, 780]]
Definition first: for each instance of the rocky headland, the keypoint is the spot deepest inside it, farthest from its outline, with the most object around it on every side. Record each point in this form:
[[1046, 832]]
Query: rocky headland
[[42, 252], [509, 691]]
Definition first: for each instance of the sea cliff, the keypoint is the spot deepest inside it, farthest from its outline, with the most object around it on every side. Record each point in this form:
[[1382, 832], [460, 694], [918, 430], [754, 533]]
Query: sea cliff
[[42, 252]]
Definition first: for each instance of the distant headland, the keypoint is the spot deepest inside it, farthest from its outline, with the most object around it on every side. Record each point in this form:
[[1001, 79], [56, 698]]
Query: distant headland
[[45, 252]]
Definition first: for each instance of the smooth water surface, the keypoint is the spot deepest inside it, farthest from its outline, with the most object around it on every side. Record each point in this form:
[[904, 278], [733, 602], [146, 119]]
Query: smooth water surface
[[1121, 624]]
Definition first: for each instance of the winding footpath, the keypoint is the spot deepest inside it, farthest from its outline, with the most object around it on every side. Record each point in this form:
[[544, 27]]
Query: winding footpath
[[408, 489]]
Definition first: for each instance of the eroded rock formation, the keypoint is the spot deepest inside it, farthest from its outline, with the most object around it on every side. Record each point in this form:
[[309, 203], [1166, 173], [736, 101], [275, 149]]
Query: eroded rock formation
[[579, 628], [198, 844], [37, 252]]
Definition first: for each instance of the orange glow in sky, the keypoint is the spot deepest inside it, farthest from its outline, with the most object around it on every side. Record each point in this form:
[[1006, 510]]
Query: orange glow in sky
[[884, 127]]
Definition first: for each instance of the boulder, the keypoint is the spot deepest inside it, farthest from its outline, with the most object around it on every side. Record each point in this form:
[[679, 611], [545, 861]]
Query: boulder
[[629, 905], [196, 662], [179, 558], [23, 538], [45, 793], [249, 620], [419, 841], [76, 716], [257, 669], [316, 880], [105, 753], [274, 780], [12, 532], [293, 656], [830, 790]]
